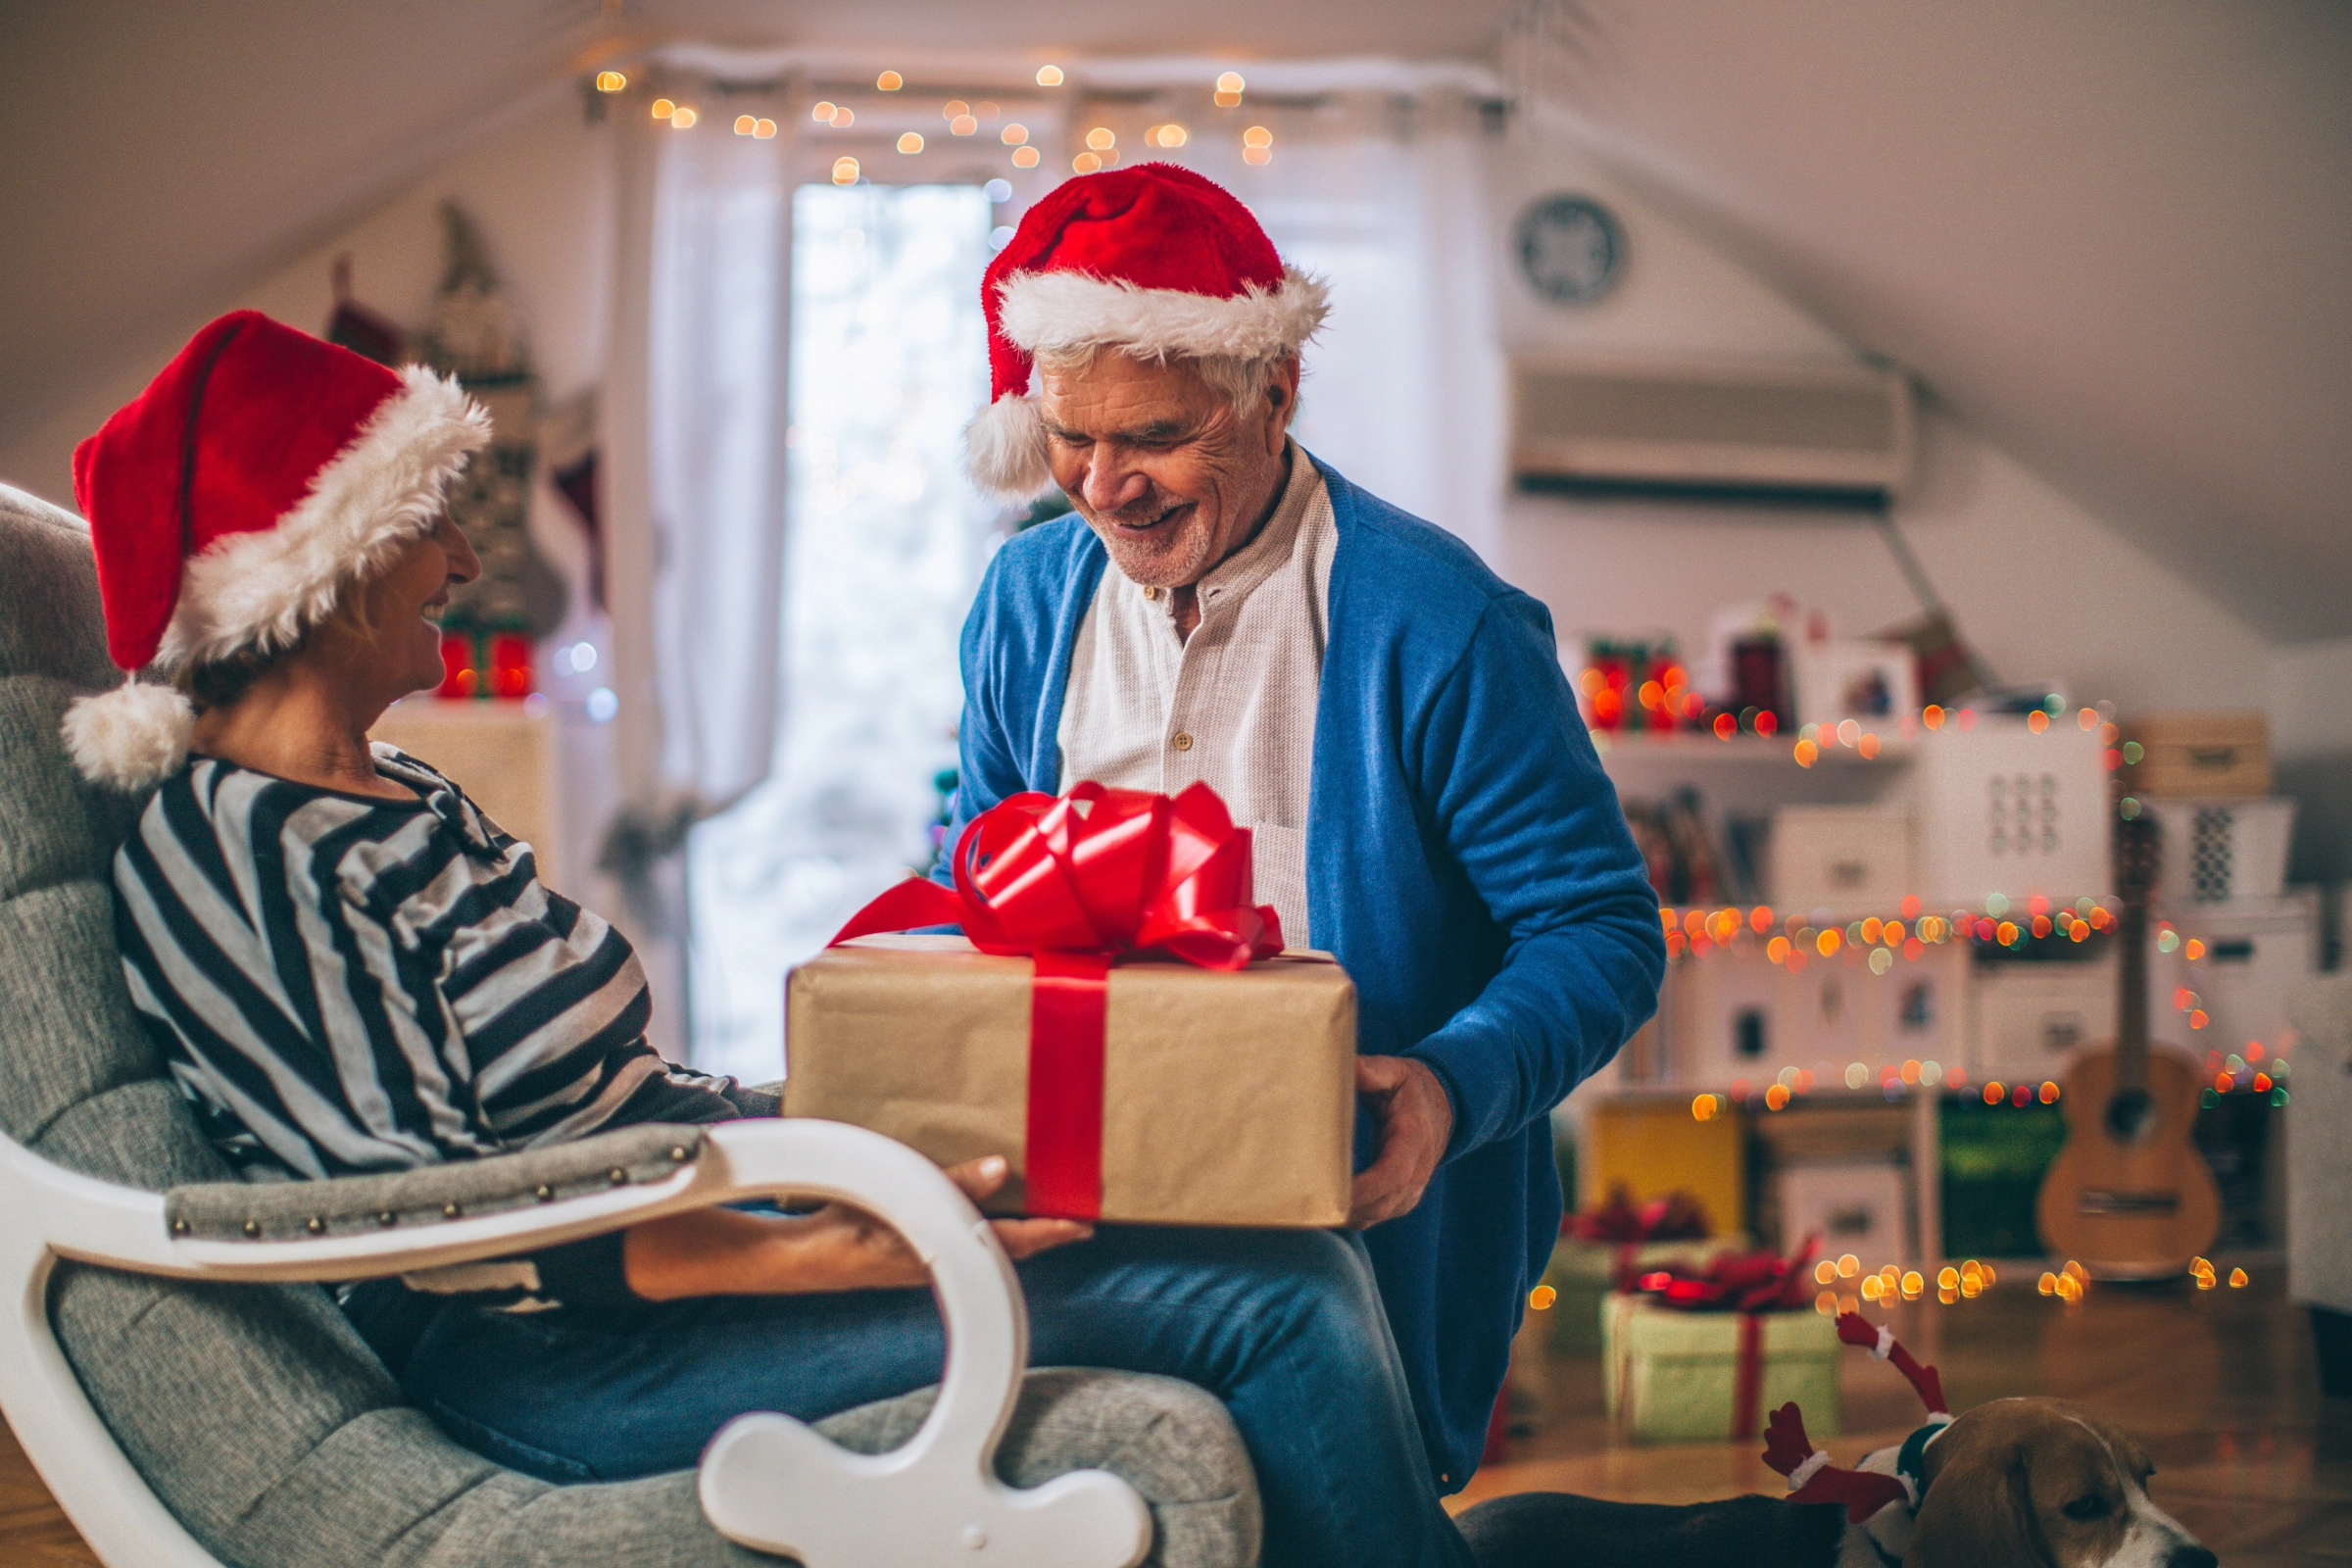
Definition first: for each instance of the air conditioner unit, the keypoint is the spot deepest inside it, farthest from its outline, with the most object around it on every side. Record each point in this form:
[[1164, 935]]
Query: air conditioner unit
[[1840, 431]]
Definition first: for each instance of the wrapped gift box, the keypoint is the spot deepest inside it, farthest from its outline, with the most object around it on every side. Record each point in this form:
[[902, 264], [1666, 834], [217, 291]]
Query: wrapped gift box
[[1672, 1376], [1582, 1273], [1228, 1096]]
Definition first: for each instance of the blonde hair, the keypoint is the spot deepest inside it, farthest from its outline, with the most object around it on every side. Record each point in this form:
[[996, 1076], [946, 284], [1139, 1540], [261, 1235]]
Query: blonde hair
[[222, 682]]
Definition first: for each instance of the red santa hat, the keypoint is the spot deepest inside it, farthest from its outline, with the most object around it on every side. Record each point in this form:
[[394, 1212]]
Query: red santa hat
[[1153, 260], [231, 503]]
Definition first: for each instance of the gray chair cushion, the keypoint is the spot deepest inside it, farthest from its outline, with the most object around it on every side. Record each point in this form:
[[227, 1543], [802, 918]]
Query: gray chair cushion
[[257, 1415]]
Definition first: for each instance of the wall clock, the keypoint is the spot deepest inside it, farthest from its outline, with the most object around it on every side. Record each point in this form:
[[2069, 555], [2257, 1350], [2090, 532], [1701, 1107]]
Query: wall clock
[[1571, 249]]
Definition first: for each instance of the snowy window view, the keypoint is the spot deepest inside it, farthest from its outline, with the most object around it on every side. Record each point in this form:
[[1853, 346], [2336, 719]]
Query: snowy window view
[[884, 543]]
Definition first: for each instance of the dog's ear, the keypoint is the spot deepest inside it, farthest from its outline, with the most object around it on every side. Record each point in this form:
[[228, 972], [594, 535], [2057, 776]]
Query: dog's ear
[[1979, 1509]]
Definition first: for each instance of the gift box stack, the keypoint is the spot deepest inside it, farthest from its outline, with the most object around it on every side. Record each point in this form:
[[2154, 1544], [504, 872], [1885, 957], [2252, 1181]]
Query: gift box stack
[[1607, 1248], [1704, 1354], [1119, 1021]]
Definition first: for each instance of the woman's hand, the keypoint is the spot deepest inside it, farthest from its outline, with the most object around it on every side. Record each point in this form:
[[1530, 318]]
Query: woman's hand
[[723, 1252]]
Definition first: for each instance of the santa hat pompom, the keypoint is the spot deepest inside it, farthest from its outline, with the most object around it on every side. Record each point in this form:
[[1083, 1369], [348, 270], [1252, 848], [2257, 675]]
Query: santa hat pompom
[[131, 737], [1004, 448]]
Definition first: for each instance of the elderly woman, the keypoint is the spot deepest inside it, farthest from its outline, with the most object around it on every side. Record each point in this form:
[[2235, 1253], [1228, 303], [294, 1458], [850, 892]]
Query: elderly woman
[[351, 969]]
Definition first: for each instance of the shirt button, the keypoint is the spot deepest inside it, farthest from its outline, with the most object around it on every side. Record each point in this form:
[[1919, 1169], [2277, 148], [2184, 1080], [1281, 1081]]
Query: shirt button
[[1182, 742]]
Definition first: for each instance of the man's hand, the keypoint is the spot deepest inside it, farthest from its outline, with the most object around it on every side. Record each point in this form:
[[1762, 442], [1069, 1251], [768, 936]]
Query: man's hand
[[1416, 1118], [723, 1252]]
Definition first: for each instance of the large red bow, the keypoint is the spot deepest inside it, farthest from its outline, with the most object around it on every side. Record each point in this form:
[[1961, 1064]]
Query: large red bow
[[1076, 883]]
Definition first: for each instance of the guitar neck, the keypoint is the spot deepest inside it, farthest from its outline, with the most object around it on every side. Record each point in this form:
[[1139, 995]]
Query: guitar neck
[[2132, 1034]]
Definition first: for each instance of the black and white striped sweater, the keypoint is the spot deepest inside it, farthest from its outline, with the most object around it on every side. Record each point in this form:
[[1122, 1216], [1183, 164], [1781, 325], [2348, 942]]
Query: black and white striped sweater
[[344, 983]]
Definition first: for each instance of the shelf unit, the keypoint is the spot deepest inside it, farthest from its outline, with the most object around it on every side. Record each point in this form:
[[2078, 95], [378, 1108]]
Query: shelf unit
[[1836, 1011]]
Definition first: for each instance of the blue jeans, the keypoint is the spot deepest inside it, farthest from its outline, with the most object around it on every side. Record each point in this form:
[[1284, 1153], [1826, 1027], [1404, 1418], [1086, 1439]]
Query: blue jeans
[[1284, 1326]]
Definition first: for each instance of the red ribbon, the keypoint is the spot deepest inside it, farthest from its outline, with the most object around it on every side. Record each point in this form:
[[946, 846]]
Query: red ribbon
[[1747, 1379], [1077, 883]]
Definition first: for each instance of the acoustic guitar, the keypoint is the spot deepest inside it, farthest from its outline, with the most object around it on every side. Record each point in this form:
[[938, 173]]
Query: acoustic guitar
[[2129, 1197]]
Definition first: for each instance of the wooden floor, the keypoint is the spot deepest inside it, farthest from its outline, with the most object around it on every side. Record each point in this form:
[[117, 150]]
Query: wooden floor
[[2219, 1384]]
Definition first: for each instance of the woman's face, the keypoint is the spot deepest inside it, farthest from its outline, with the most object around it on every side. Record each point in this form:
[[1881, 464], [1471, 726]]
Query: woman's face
[[403, 605]]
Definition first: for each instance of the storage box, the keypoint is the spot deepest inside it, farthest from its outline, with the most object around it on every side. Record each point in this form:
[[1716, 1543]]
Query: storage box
[[2003, 810], [2215, 850], [2208, 753], [1582, 1274], [1228, 1098], [1994, 1157], [1674, 1377], [1863, 1208], [1844, 858], [1737, 1015], [2033, 1019], [2257, 956]]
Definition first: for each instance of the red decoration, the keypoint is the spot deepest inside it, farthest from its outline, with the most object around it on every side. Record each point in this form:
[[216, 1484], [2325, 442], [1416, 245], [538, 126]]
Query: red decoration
[[459, 676], [511, 664], [1675, 1217], [1077, 883]]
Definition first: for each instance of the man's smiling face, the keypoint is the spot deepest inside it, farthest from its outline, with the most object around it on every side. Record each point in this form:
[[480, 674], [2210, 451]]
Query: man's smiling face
[[1167, 473]]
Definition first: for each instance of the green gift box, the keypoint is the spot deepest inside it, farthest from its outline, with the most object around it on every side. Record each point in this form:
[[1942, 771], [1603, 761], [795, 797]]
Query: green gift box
[[1582, 1273], [1673, 1376]]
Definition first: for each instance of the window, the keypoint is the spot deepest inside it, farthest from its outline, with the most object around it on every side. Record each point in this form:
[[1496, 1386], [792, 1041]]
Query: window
[[884, 541]]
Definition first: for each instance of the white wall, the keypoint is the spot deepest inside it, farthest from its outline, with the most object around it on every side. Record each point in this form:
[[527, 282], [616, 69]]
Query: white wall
[[540, 187], [2044, 590], [2311, 700]]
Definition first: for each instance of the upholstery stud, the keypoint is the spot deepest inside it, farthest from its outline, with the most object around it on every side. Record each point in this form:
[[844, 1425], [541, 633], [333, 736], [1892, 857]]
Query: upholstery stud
[[387, 1219], [617, 1177], [316, 1226], [450, 1211], [179, 1227], [677, 1154], [252, 1229], [544, 1193]]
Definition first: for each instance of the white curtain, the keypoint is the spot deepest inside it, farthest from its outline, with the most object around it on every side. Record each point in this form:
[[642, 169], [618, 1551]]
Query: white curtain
[[888, 361], [717, 407]]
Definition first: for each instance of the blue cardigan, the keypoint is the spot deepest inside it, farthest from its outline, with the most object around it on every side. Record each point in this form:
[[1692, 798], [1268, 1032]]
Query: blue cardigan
[[1466, 862]]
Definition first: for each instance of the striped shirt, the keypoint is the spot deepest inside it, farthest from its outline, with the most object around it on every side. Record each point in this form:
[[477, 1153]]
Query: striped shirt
[[347, 984]]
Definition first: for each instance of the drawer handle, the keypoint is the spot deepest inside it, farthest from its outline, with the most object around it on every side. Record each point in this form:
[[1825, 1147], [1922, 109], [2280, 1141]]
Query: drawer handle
[[2212, 756], [1848, 873]]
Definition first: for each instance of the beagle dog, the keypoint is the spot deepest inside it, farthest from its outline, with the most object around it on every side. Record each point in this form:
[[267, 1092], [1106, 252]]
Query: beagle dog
[[2039, 1484], [2014, 1484]]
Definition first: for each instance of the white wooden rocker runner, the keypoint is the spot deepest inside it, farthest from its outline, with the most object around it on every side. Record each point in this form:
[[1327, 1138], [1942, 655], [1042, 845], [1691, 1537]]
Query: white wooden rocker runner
[[767, 1482]]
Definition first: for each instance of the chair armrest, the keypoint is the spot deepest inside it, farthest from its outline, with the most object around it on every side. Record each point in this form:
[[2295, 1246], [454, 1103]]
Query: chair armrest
[[432, 1194], [766, 1481]]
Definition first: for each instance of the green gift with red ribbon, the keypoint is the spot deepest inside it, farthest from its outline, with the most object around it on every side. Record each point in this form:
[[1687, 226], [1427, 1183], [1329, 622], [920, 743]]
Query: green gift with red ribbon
[[1694, 1353], [1119, 1021]]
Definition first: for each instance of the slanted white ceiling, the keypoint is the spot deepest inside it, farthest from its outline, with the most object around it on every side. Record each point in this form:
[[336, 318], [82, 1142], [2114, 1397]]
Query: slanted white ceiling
[[2115, 235]]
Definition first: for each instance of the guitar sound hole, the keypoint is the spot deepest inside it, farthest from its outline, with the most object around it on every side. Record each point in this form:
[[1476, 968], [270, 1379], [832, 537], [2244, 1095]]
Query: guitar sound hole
[[2130, 1116]]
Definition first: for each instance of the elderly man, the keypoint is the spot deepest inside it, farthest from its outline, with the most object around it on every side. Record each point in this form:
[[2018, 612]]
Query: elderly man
[[1387, 716]]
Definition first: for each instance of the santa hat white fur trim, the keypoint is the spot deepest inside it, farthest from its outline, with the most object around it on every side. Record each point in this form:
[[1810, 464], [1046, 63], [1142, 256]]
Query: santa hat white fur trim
[[1004, 448], [131, 737], [1045, 312], [265, 588]]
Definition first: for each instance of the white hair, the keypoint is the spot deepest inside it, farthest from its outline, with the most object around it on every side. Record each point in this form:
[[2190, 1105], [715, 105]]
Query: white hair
[[1242, 381]]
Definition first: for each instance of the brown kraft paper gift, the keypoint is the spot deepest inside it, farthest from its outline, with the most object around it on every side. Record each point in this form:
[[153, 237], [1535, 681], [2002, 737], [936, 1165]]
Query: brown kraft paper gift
[[1229, 1097]]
